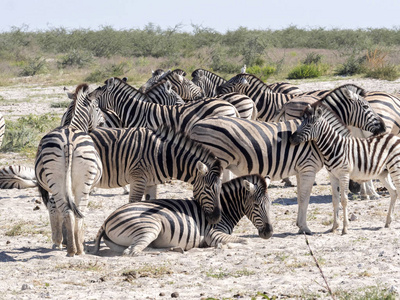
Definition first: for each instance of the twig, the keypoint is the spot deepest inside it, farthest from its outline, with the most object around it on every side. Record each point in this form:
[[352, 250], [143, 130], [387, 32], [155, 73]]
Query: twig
[[318, 266]]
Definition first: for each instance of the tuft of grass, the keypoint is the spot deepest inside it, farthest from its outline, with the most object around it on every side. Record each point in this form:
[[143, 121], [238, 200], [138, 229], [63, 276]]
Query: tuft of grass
[[23, 228], [220, 273], [304, 71], [82, 266], [61, 104], [368, 293], [152, 271]]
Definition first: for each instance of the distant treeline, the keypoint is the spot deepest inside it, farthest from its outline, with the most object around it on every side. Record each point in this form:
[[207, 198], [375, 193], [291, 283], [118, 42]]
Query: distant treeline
[[156, 42]]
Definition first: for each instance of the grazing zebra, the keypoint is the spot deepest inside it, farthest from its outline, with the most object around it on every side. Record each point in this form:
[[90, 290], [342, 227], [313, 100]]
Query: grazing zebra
[[182, 224], [142, 157], [246, 147], [67, 165], [345, 158], [2, 128], [17, 177], [115, 95]]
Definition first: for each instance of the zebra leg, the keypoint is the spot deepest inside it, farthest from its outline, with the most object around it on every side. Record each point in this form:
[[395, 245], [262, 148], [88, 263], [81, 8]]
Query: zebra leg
[[227, 175], [363, 193], [137, 189], [344, 191], [335, 201], [287, 182], [140, 242], [370, 190], [69, 219], [216, 237], [305, 182], [387, 183], [56, 222]]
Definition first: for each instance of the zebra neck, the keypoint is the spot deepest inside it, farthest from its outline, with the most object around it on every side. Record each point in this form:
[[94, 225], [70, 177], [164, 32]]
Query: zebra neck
[[330, 143], [232, 208]]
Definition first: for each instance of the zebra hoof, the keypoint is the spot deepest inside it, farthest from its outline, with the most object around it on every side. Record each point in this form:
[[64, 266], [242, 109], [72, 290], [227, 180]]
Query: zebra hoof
[[305, 230]]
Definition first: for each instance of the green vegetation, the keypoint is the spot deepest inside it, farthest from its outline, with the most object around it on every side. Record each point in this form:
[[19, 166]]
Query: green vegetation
[[24, 134], [77, 55]]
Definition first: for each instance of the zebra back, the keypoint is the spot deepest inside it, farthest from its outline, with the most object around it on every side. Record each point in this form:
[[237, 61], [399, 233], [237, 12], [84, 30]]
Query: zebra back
[[284, 88], [137, 225], [134, 113], [17, 177]]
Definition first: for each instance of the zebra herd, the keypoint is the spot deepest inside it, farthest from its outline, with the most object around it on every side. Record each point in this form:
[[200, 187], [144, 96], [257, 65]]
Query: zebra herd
[[204, 131]]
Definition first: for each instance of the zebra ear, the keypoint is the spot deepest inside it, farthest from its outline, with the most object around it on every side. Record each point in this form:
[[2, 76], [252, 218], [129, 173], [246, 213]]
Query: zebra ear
[[318, 111], [70, 95], [249, 186], [110, 83], [125, 79], [349, 94], [267, 180], [178, 77], [202, 168]]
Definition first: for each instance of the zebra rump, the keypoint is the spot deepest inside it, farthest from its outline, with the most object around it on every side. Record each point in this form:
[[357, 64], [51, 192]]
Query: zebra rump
[[162, 223]]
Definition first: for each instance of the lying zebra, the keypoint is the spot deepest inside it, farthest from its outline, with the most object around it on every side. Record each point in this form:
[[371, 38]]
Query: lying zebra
[[182, 223], [17, 177], [360, 159]]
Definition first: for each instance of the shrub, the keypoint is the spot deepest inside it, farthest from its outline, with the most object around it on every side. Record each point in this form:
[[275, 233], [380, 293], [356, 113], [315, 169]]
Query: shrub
[[262, 72], [25, 133], [75, 58], [33, 66], [312, 58], [386, 72], [353, 65], [305, 71]]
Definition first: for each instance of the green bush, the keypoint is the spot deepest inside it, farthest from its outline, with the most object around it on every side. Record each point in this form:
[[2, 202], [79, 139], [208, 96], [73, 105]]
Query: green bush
[[262, 72], [312, 58], [305, 71], [386, 72], [353, 65], [24, 134], [96, 76]]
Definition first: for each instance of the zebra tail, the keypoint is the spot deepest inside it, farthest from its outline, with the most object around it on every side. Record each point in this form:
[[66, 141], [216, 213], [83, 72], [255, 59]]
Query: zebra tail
[[99, 236], [68, 149], [44, 194], [278, 116], [254, 112]]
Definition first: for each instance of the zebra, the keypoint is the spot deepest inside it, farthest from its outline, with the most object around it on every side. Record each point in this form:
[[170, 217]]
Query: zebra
[[115, 96], [207, 81], [357, 158], [142, 157], [247, 146], [67, 165], [2, 128], [181, 224], [155, 75], [183, 86], [17, 177], [162, 93]]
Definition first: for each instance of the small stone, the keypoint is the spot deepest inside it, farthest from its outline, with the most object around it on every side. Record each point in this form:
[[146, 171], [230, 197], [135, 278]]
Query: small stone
[[36, 207], [381, 253], [353, 217], [287, 212], [26, 286], [175, 295], [38, 201], [162, 294], [8, 242]]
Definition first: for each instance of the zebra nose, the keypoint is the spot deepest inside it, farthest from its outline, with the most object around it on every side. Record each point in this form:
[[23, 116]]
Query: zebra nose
[[266, 232], [214, 216]]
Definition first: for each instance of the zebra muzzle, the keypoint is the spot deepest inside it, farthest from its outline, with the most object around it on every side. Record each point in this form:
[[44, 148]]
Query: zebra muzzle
[[266, 232]]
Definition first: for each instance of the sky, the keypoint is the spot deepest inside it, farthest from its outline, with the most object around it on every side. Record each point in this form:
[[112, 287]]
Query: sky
[[221, 16]]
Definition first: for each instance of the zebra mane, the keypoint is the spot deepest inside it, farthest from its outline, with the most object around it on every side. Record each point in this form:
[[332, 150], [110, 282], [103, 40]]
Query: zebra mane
[[179, 71], [206, 72], [248, 77], [69, 114], [328, 112], [158, 72], [352, 87], [170, 134], [256, 179]]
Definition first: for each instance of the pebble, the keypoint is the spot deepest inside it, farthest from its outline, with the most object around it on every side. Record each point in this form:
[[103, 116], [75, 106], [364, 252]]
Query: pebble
[[175, 295], [26, 286], [162, 294], [36, 207], [353, 217]]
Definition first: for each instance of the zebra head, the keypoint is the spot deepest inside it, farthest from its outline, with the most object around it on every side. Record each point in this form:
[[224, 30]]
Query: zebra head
[[311, 123], [204, 83], [257, 204], [207, 189], [155, 77], [238, 83], [185, 87], [162, 93], [348, 102]]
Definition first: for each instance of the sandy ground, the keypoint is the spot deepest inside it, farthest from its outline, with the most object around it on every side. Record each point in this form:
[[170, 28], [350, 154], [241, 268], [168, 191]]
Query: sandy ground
[[367, 257]]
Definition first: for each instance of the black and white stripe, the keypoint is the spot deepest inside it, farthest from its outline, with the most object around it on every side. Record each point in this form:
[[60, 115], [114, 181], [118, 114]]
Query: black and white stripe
[[355, 158], [67, 165], [116, 96], [207, 81], [182, 224], [17, 177], [141, 157], [246, 147]]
